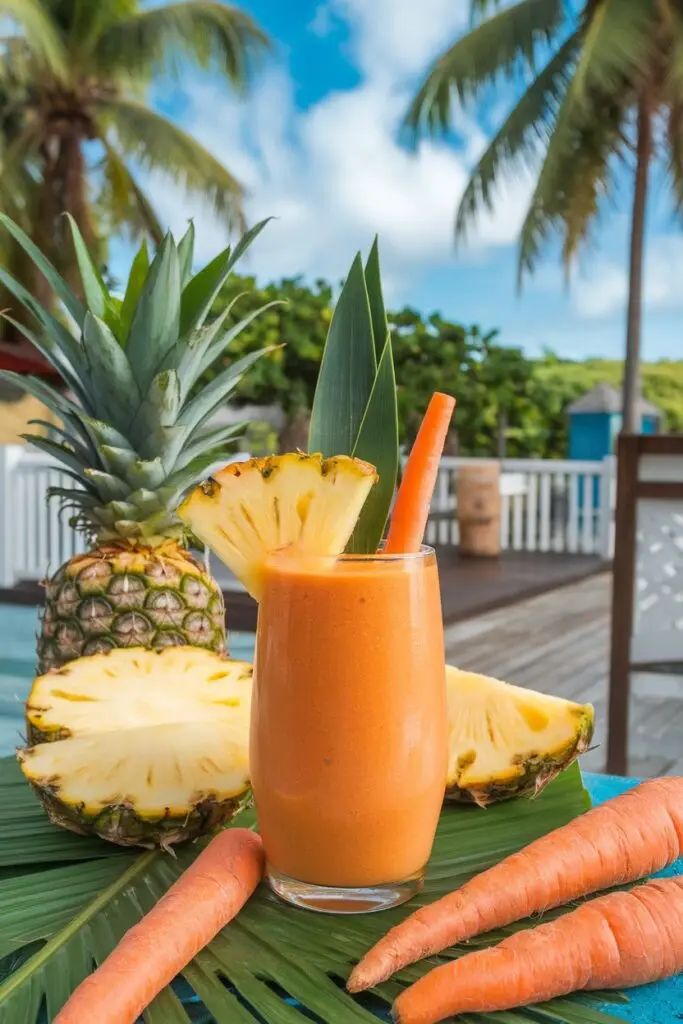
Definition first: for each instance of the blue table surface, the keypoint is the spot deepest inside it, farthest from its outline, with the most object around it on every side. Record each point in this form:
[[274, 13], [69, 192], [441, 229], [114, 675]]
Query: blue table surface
[[650, 1004]]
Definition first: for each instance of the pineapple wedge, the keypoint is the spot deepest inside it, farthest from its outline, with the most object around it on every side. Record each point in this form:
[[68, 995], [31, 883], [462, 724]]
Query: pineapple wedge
[[250, 509], [506, 741], [142, 748]]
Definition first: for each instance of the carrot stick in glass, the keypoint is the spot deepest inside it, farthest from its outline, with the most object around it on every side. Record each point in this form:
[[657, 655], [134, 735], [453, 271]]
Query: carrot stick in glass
[[411, 511]]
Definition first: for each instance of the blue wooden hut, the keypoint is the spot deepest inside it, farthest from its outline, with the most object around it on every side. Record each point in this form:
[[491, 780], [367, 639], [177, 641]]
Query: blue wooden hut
[[595, 421]]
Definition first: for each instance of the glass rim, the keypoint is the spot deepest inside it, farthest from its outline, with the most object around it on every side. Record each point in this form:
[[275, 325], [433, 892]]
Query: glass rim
[[388, 556], [376, 556]]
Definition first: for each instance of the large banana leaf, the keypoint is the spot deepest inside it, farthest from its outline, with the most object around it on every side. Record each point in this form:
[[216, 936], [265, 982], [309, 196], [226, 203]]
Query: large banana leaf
[[67, 900]]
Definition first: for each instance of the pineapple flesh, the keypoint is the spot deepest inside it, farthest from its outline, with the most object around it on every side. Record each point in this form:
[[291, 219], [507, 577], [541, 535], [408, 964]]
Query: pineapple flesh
[[141, 748], [134, 438], [251, 509], [506, 741]]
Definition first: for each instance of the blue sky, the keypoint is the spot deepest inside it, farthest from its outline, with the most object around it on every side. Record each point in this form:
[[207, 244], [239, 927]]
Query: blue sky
[[315, 143]]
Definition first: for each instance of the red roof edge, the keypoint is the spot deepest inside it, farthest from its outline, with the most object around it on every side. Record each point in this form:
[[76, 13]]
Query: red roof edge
[[24, 358]]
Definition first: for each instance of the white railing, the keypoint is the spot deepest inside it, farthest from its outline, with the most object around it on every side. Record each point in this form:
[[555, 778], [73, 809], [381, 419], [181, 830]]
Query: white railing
[[35, 538], [546, 505]]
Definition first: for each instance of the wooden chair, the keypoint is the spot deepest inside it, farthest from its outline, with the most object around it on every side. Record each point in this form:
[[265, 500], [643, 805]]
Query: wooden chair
[[647, 598]]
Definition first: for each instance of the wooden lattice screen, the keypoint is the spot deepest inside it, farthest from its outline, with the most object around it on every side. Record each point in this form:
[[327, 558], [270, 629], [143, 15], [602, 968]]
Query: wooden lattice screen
[[647, 601]]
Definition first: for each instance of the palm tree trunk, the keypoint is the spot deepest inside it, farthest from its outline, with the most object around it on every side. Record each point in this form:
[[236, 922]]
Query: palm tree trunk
[[631, 419], [64, 189]]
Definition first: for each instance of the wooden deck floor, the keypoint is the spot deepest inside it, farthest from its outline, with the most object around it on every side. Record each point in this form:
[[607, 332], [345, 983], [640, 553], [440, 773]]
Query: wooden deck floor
[[559, 643], [471, 586]]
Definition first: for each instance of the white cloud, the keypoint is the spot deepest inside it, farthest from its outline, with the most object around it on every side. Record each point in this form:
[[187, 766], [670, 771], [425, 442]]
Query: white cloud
[[605, 291], [335, 174], [399, 37]]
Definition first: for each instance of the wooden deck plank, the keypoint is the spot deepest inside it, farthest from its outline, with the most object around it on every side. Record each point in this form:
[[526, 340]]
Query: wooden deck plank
[[559, 643]]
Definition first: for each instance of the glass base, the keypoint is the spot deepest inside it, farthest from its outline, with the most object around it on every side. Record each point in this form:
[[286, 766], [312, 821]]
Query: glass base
[[331, 899]]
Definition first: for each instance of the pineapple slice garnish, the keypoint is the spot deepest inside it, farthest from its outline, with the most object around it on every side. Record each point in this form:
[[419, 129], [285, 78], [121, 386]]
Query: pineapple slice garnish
[[249, 510]]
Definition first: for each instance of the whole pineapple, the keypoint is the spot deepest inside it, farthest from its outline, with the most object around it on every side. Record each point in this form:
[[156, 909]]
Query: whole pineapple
[[133, 438]]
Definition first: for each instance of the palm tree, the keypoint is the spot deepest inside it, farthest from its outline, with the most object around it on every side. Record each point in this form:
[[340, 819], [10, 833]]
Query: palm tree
[[75, 128], [603, 88]]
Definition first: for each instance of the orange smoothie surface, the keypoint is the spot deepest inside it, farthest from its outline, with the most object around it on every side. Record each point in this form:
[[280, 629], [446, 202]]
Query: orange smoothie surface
[[349, 727]]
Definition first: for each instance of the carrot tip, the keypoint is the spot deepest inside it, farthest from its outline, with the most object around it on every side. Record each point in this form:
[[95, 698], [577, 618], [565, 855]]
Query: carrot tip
[[413, 499]]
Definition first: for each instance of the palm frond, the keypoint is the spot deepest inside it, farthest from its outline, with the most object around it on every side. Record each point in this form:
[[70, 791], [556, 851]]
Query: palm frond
[[214, 34], [64, 917], [17, 184], [597, 128], [126, 202], [40, 32], [673, 83], [498, 46], [619, 38], [479, 8], [156, 144], [528, 125], [674, 135], [591, 177]]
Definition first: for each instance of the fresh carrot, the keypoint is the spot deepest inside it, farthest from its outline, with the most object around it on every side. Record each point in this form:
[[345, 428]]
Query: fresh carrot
[[622, 840], [411, 510], [616, 941], [204, 899]]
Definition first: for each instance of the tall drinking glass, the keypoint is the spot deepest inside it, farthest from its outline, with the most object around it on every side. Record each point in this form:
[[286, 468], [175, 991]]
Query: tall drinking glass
[[349, 729]]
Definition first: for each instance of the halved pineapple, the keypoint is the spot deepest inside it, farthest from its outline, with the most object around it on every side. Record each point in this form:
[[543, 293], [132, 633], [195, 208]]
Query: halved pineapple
[[506, 741], [142, 748], [250, 509]]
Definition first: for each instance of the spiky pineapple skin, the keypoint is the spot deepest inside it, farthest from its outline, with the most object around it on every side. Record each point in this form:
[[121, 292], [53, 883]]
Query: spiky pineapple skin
[[129, 595], [122, 826], [535, 774]]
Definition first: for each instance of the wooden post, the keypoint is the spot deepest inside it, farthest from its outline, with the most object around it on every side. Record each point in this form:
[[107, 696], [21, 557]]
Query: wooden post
[[606, 509], [6, 548], [623, 584], [478, 509]]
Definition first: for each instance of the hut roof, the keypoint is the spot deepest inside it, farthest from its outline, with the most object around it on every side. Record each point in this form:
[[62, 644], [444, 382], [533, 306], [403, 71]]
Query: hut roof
[[606, 398]]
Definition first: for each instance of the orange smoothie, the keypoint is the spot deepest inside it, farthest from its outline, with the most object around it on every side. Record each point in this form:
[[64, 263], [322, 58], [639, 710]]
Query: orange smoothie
[[349, 731]]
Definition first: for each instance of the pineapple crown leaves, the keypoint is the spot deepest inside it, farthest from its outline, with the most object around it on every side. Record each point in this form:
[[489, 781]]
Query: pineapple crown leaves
[[355, 406], [135, 428]]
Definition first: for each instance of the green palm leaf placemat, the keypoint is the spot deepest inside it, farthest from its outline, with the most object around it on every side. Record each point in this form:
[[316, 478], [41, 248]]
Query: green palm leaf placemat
[[65, 901]]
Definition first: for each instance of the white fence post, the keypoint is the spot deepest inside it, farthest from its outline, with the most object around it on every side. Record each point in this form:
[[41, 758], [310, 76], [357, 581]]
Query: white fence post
[[9, 457], [6, 567], [607, 506]]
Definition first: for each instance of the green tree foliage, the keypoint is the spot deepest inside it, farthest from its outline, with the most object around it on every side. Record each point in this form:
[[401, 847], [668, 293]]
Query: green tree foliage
[[499, 390], [287, 378], [494, 385], [298, 324]]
